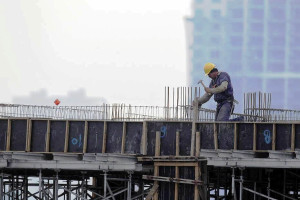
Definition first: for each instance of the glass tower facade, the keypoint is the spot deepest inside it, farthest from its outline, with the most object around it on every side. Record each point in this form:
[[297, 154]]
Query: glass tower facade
[[256, 41]]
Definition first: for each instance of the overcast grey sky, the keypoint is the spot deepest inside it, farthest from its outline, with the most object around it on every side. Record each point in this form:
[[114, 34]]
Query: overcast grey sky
[[123, 51]]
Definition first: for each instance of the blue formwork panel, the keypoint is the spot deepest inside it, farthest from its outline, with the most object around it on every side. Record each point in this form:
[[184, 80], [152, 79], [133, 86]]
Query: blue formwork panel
[[264, 136], [3, 134], [76, 136], [95, 137], [168, 137], [38, 136]]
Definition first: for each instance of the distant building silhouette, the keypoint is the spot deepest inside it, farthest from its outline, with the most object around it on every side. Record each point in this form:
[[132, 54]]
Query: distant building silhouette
[[256, 41], [72, 98]]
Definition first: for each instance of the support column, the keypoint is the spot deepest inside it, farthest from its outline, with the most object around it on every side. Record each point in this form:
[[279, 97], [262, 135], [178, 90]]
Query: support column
[[69, 188], [56, 187], [40, 184], [233, 184], [241, 184], [129, 186], [105, 183], [1, 186], [25, 187]]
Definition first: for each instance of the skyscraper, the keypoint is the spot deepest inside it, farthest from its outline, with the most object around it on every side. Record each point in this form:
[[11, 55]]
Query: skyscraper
[[256, 41]]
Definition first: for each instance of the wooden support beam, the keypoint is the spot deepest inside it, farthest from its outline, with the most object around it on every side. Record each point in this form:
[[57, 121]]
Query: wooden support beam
[[178, 164], [195, 118], [8, 135], [86, 130], [157, 143], [28, 135], [67, 136], [156, 173], [293, 137], [254, 136], [104, 137], [47, 138], [144, 139], [274, 138], [216, 136], [123, 138], [198, 146], [176, 196], [197, 178], [235, 136]]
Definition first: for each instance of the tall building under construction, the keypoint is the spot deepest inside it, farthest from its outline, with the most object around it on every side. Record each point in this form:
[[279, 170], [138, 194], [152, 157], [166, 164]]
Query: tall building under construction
[[255, 41]]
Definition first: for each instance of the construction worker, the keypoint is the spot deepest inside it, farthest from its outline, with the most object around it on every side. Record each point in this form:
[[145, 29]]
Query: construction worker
[[221, 87]]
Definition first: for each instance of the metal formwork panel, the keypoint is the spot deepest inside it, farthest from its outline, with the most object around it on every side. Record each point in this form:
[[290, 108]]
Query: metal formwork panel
[[186, 191], [207, 135], [133, 137], [297, 136], [76, 136], [95, 136], [38, 136], [226, 136], [283, 136], [114, 137], [18, 135], [264, 136], [3, 134], [57, 136], [245, 136]]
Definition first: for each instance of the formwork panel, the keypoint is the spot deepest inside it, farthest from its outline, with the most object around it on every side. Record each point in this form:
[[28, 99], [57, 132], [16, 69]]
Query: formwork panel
[[207, 135], [166, 189], [95, 137], [226, 136], [245, 137], [264, 136], [76, 136], [168, 137], [185, 139], [114, 137], [3, 134], [186, 191], [134, 132], [18, 135], [57, 136], [283, 136], [151, 134], [297, 136], [38, 136]]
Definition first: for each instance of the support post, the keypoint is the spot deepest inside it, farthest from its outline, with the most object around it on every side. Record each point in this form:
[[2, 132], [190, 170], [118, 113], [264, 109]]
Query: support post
[[241, 184], [40, 184], [129, 186], [1, 185], [105, 184], [56, 187]]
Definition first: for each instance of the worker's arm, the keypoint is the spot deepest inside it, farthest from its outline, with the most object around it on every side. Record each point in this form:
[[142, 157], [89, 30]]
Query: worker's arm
[[204, 98], [220, 88]]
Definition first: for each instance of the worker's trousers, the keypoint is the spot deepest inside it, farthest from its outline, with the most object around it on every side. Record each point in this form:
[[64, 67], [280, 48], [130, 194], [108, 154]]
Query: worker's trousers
[[223, 111]]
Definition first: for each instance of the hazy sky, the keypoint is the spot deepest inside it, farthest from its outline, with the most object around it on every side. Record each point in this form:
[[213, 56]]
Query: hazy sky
[[124, 51]]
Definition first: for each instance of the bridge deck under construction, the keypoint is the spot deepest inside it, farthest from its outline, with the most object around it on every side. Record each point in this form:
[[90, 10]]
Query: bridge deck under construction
[[170, 156]]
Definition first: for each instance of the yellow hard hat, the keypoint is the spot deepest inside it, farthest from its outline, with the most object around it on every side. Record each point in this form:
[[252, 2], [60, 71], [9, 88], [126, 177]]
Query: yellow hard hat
[[208, 67]]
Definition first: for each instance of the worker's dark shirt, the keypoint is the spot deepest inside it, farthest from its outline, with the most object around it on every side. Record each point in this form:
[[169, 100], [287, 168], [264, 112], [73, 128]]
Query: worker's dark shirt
[[228, 93]]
